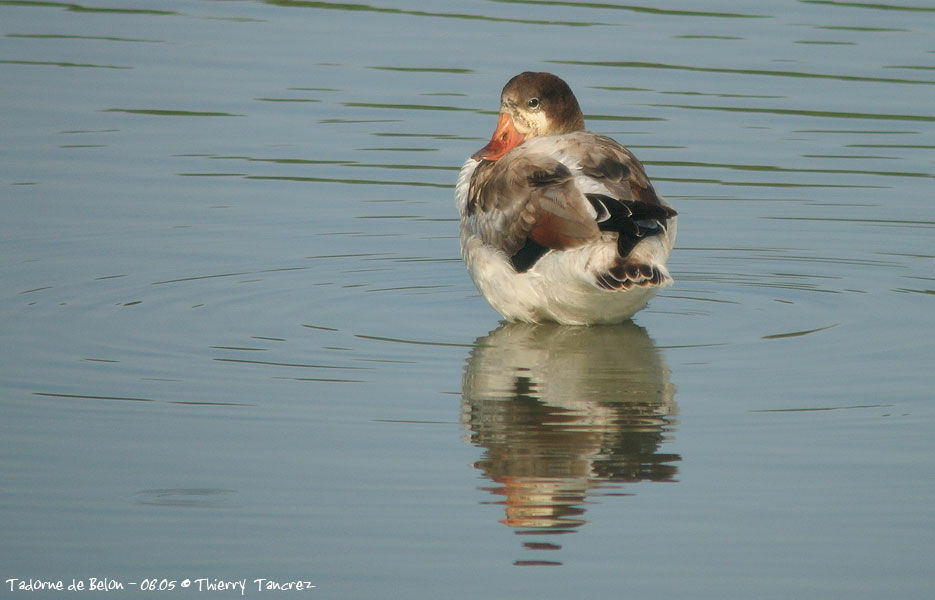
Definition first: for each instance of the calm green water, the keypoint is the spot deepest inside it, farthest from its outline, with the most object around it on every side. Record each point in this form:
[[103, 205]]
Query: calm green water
[[238, 341]]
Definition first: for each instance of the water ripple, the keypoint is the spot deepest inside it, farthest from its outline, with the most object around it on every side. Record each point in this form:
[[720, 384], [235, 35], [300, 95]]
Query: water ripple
[[732, 71], [61, 64], [871, 5], [637, 9], [422, 13], [806, 113]]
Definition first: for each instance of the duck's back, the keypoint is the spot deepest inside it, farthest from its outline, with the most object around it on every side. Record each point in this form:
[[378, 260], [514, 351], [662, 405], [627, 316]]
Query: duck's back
[[559, 227]]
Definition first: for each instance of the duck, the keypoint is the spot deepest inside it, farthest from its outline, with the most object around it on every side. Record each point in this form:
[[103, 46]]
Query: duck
[[557, 223]]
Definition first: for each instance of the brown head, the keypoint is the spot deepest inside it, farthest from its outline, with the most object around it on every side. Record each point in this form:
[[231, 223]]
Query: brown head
[[532, 105]]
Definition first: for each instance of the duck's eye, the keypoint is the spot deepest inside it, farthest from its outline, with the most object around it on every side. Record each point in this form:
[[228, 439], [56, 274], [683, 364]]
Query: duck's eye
[[533, 103]]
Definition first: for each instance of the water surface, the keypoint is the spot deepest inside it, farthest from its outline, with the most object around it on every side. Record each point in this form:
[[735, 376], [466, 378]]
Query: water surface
[[239, 342]]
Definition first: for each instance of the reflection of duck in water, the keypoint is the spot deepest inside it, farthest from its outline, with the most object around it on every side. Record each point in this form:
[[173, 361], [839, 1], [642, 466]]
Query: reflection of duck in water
[[562, 410]]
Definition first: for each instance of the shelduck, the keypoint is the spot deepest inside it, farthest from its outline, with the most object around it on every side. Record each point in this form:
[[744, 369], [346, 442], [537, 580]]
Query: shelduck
[[559, 223]]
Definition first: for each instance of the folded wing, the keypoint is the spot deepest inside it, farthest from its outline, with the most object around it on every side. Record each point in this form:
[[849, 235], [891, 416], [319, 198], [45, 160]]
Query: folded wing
[[560, 192]]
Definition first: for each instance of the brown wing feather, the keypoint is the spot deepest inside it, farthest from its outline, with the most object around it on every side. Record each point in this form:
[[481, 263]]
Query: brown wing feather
[[616, 167], [525, 195]]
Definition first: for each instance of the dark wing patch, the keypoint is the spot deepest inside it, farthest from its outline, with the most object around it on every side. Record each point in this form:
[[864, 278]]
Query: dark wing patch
[[528, 255], [632, 220]]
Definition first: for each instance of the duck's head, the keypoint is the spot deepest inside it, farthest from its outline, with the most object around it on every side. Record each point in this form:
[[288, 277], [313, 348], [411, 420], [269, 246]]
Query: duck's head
[[532, 105]]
